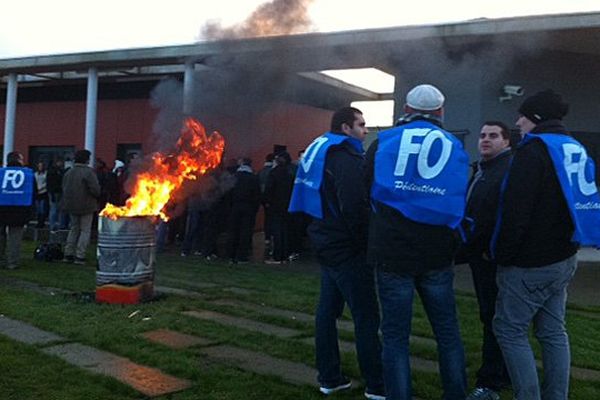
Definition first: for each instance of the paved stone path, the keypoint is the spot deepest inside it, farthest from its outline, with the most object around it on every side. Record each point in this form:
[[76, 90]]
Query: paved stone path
[[176, 340], [244, 323], [260, 363], [25, 333], [342, 324], [149, 381]]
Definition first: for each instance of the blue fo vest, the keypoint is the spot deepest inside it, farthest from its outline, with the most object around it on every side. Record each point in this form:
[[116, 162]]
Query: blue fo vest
[[576, 173], [422, 171], [306, 196], [16, 186]]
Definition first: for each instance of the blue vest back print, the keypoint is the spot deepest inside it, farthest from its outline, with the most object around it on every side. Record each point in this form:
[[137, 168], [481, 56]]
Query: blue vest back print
[[16, 186], [306, 196], [576, 173], [422, 171]]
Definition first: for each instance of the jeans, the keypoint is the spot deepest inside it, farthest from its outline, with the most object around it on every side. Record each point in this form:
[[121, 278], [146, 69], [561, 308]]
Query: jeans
[[41, 210], [79, 235], [352, 282], [57, 219], [537, 295], [493, 373], [396, 294]]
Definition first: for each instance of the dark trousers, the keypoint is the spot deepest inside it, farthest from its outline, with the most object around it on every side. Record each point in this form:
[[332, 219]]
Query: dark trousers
[[193, 232], [492, 373], [352, 282], [211, 232], [279, 224], [241, 227]]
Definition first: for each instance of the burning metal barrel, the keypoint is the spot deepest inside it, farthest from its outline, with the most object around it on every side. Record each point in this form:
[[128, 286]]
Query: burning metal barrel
[[126, 254]]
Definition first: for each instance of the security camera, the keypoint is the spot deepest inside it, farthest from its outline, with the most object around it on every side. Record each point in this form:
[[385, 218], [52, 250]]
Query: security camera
[[513, 90]]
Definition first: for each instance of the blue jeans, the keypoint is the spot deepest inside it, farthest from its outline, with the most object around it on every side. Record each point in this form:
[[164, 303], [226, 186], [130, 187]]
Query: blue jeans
[[537, 295], [396, 294], [351, 282]]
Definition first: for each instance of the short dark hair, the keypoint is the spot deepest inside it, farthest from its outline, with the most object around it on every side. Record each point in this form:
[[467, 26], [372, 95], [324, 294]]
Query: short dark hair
[[13, 158], [247, 161], [270, 157], [345, 115], [504, 131], [82, 156]]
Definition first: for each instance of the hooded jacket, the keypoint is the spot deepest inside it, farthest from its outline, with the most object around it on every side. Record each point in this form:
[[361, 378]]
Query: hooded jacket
[[80, 190]]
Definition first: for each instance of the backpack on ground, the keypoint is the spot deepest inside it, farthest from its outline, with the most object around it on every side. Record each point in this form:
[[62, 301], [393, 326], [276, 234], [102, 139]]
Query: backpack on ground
[[48, 252]]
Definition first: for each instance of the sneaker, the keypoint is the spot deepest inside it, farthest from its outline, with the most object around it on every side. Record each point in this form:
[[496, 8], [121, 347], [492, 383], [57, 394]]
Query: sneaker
[[183, 254], [294, 256], [68, 259], [344, 384], [79, 261], [483, 393], [373, 396]]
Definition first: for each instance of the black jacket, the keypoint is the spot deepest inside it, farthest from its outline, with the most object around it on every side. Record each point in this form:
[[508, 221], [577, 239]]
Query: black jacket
[[482, 203], [342, 233], [246, 191], [400, 245], [535, 226], [278, 190]]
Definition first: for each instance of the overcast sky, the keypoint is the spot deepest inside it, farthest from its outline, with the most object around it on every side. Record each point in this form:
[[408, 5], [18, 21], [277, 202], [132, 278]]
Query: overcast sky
[[39, 27]]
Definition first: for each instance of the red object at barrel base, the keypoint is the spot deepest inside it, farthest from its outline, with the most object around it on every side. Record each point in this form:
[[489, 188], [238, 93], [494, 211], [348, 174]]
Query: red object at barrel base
[[118, 294]]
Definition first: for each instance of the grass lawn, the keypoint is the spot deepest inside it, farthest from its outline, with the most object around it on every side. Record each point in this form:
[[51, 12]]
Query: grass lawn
[[27, 373]]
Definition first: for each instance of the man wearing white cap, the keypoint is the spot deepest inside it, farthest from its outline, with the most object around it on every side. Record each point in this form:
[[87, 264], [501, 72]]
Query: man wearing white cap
[[417, 174]]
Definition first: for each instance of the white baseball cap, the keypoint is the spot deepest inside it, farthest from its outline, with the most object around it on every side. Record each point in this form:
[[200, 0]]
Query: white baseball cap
[[425, 97]]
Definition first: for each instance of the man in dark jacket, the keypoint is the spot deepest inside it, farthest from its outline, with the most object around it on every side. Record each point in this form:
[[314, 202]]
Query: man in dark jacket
[[277, 198], [17, 182], [550, 205], [482, 209], [329, 187], [56, 172], [245, 199], [81, 191], [418, 174]]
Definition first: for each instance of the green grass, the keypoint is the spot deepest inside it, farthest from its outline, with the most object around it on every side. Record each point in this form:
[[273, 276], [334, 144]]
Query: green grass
[[27, 373]]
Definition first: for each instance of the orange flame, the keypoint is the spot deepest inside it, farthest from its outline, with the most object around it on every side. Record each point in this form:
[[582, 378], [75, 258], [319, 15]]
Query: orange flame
[[196, 154]]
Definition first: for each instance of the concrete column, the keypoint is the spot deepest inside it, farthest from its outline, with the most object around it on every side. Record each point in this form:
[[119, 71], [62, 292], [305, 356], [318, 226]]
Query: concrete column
[[90, 113], [11, 113], [188, 89]]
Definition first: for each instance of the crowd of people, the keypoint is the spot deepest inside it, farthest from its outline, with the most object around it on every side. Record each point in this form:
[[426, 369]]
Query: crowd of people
[[518, 220], [384, 224]]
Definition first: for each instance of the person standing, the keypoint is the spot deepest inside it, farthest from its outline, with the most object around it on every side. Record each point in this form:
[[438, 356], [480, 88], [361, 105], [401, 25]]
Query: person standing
[[81, 191], [417, 173], [329, 187], [41, 197], [16, 201], [277, 199], [245, 199], [482, 209], [55, 177], [549, 206]]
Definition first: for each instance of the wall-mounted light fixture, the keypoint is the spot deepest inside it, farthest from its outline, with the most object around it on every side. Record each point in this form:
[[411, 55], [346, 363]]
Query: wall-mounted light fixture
[[508, 91]]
